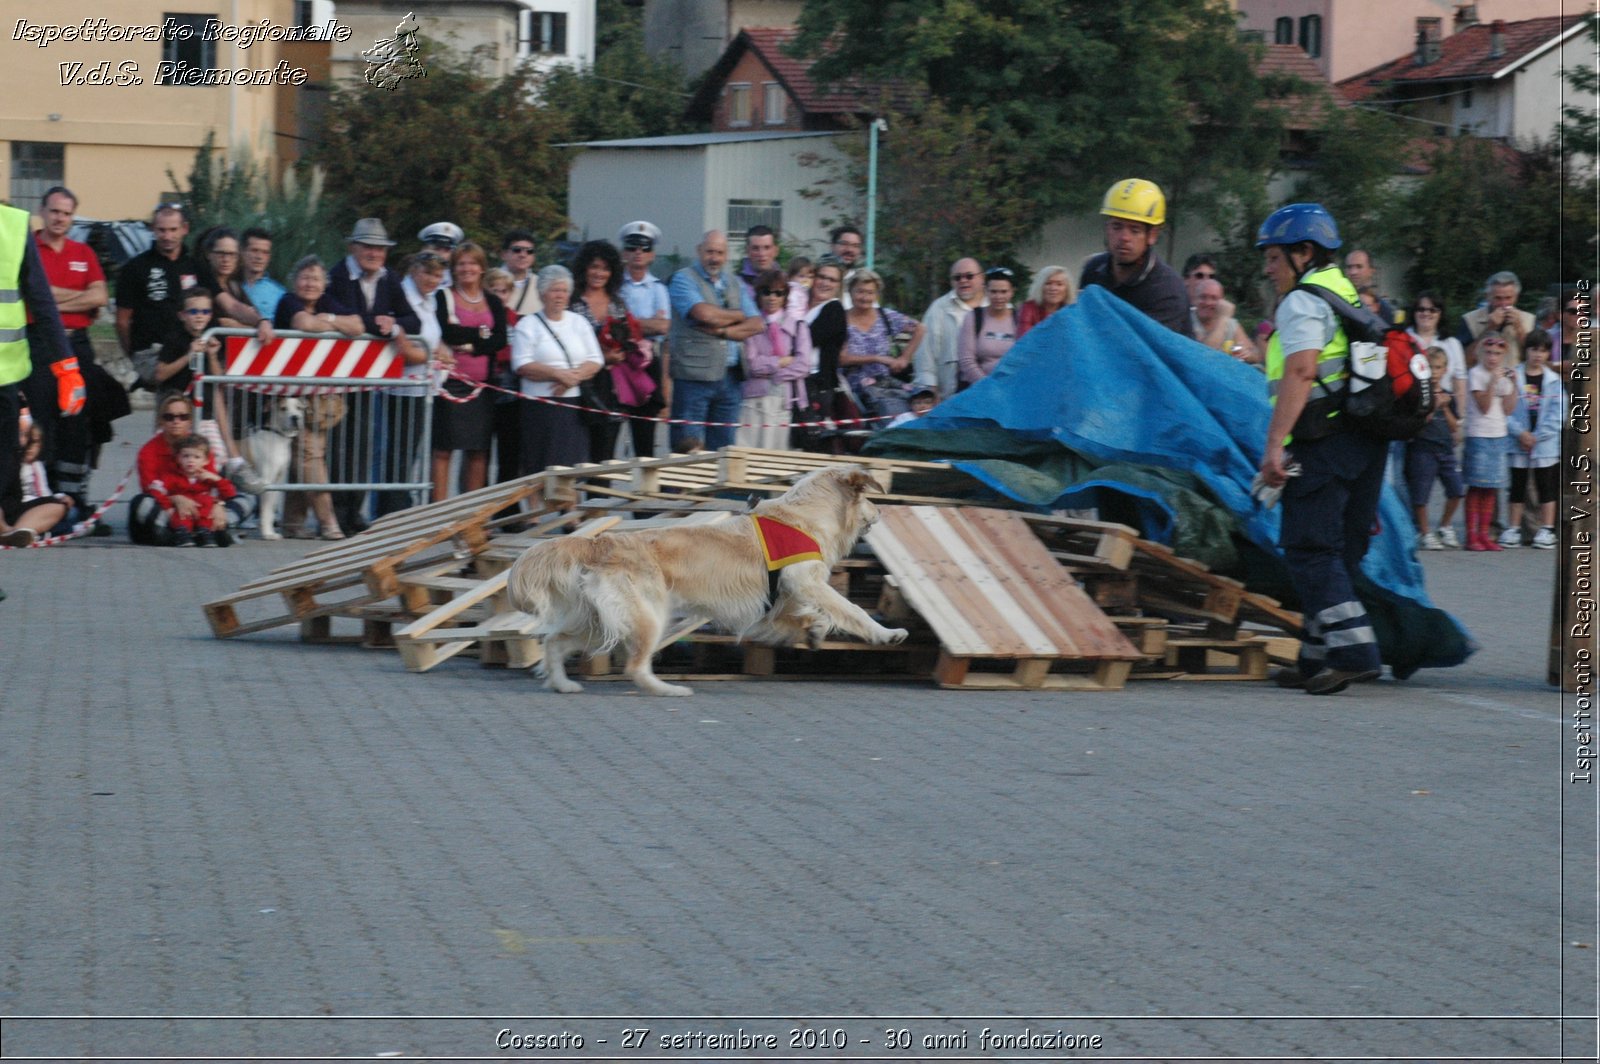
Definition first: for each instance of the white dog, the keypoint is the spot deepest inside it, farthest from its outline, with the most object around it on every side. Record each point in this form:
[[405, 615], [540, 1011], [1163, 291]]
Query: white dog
[[269, 447], [762, 575]]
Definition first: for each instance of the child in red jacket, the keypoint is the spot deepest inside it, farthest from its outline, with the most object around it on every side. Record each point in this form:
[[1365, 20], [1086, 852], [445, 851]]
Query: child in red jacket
[[204, 520]]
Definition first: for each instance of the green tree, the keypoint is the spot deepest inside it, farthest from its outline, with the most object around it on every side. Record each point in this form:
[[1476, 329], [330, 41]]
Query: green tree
[[1485, 207], [455, 145], [628, 92], [235, 190], [1355, 160], [1077, 93], [944, 190], [1579, 130]]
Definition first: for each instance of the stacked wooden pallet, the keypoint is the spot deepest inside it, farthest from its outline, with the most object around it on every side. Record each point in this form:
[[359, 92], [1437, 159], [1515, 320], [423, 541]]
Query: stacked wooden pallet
[[993, 598]]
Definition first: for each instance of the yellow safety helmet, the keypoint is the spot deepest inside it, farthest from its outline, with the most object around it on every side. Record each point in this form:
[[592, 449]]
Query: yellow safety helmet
[[1137, 200]]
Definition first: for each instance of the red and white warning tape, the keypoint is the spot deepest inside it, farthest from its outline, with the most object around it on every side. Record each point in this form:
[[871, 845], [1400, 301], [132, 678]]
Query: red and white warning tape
[[479, 387], [86, 526]]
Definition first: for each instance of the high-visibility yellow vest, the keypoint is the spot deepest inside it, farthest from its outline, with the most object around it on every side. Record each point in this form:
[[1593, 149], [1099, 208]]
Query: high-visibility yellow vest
[[14, 237], [1332, 363]]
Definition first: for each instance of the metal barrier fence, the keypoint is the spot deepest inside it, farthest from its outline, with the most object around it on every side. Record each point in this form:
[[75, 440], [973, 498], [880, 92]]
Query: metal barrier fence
[[316, 412]]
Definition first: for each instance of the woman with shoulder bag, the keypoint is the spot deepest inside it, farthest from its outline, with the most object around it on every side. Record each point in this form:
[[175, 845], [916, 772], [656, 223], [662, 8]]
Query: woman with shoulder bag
[[555, 352], [472, 321]]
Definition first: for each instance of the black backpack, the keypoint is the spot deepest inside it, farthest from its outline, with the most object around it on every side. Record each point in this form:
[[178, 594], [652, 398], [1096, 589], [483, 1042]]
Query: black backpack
[[1389, 390]]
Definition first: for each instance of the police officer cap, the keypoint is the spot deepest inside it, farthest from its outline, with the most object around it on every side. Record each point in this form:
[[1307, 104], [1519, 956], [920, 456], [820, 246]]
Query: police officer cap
[[638, 235], [446, 234]]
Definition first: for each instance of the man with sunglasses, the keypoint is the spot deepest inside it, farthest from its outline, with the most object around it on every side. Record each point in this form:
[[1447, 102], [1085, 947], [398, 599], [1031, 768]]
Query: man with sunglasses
[[519, 257], [644, 293], [935, 363]]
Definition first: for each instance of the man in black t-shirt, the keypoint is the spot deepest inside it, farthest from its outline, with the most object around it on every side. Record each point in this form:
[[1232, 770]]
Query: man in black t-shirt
[[151, 283], [1129, 268]]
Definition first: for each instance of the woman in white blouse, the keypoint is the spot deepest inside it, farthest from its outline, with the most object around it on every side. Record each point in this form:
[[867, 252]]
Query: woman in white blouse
[[553, 352]]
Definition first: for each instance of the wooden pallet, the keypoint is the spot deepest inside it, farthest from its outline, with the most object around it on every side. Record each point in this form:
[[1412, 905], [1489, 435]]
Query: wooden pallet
[[991, 596], [992, 592], [476, 612]]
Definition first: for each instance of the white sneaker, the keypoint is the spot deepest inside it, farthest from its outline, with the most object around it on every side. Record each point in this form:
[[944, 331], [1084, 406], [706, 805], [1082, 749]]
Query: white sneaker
[[1429, 541], [1447, 539], [1545, 539], [1511, 537]]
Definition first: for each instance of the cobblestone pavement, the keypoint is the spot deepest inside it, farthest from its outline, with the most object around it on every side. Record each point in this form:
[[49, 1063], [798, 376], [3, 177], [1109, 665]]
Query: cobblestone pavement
[[236, 831]]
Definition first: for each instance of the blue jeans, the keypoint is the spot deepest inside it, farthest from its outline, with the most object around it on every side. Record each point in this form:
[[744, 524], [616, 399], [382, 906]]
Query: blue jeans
[[706, 401]]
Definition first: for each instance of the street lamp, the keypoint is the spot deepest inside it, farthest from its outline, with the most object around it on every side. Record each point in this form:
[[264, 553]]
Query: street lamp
[[879, 125]]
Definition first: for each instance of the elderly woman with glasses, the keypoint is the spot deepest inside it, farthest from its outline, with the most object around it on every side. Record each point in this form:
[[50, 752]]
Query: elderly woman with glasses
[[776, 362], [990, 330], [880, 344]]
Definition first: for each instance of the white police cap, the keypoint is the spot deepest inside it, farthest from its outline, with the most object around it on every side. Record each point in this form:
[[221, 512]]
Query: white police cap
[[447, 233], [638, 234]]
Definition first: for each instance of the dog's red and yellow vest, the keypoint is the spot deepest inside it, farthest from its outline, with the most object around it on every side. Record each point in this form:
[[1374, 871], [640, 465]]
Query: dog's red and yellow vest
[[782, 545]]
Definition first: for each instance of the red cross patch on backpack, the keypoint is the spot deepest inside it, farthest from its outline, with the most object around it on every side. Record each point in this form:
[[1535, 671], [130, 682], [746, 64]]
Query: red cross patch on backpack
[[1389, 390]]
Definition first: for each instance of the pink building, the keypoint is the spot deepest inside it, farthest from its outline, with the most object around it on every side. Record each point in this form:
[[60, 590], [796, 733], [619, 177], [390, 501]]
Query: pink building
[[1346, 37]]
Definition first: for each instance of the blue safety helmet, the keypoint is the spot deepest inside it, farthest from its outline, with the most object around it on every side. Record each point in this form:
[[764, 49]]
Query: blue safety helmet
[[1299, 222]]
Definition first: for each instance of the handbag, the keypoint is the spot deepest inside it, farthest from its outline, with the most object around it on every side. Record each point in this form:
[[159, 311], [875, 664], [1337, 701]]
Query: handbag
[[596, 411]]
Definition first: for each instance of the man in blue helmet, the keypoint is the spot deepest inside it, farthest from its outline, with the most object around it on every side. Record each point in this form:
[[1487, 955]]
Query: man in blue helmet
[[1330, 504]]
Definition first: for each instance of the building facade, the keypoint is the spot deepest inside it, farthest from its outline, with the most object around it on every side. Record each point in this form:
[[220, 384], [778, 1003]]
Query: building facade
[[108, 97], [701, 181], [1345, 37], [694, 33], [499, 33]]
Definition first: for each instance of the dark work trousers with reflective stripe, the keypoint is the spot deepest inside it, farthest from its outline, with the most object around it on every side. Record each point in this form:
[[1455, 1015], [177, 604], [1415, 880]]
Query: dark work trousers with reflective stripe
[[1328, 514], [67, 440], [10, 459]]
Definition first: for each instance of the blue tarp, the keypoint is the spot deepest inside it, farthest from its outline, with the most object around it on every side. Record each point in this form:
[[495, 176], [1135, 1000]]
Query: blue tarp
[[1158, 421]]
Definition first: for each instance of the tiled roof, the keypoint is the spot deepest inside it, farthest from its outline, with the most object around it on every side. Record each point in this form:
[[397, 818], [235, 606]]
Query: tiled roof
[[795, 74], [1463, 56], [850, 97], [1300, 111]]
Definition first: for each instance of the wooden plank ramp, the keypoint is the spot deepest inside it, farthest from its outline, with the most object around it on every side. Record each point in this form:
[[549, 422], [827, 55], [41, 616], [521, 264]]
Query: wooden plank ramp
[[992, 592]]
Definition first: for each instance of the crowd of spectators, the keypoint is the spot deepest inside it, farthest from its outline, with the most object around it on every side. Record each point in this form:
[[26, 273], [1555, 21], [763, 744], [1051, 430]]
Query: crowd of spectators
[[771, 351]]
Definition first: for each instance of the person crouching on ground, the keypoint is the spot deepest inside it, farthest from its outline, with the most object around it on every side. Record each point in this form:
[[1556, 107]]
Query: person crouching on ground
[[206, 492], [149, 520]]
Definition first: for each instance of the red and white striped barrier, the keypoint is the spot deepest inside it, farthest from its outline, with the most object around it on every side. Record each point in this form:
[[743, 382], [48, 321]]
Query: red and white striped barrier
[[333, 358]]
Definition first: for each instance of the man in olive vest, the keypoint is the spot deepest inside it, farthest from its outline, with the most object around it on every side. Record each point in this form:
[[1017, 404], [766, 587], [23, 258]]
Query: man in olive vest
[[712, 314], [25, 293], [1331, 499]]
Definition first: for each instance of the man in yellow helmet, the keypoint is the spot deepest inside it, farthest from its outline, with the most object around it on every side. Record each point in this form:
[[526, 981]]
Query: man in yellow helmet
[[24, 293], [1333, 476], [1129, 268]]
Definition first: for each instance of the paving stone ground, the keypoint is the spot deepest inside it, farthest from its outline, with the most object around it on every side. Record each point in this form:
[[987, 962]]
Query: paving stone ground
[[236, 833]]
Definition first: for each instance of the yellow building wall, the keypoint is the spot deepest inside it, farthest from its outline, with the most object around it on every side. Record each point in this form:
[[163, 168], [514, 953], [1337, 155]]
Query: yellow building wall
[[121, 138]]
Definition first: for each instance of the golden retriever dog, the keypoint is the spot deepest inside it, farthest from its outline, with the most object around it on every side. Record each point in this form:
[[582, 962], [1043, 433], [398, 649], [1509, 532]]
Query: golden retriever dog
[[623, 588]]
